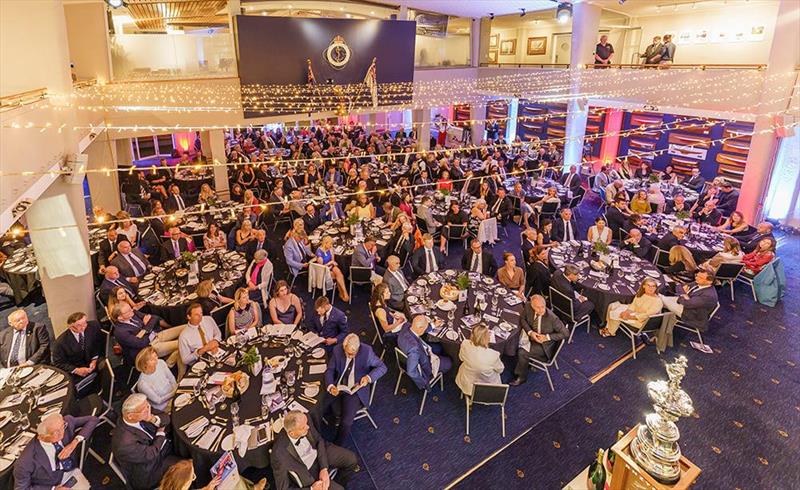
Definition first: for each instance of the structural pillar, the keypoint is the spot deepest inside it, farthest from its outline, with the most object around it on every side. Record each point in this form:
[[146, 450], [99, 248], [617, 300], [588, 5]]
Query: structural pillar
[[477, 112], [422, 123], [609, 145], [585, 26], [779, 78], [104, 189], [214, 144]]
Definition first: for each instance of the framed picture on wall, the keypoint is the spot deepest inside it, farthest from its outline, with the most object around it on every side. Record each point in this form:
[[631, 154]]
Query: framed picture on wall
[[757, 33], [701, 37], [494, 40], [493, 56], [685, 37], [508, 47], [537, 46]]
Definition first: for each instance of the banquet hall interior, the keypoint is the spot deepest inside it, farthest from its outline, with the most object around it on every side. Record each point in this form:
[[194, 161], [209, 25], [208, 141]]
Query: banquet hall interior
[[384, 244]]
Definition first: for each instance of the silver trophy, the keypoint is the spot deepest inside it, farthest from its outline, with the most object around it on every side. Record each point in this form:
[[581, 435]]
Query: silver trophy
[[655, 447]]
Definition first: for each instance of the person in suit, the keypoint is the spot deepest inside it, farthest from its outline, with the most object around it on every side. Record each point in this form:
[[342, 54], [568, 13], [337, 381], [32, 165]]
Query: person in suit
[[677, 205], [108, 247], [111, 280], [501, 206], [297, 255], [528, 243], [175, 246], [301, 458], [25, 343], [763, 230], [259, 243], [727, 199], [130, 262], [140, 445], [397, 283], [643, 172], [697, 301], [564, 227], [565, 283], [311, 219], [366, 255], [695, 181], [478, 260], [134, 332], [174, 202], [52, 458], [542, 330], [330, 323], [537, 278], [425, 215], [672, 239], [708, 214], [427, 258], [333, 210], [615, 217], [79, 351], [479, 362], [638, 244], [353, 365], [424, 360], [602, 179], [402, 242], [572, 180]]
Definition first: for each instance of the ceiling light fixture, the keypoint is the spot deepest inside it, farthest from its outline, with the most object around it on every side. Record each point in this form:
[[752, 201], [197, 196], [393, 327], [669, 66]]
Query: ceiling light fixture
[[564, 12], [491, 16], [115, 4], [523, 12]]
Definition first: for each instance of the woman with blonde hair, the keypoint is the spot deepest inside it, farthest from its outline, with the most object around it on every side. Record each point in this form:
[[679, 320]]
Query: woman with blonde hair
[[181, 476], [645, 304], [206, 193], [731, 254], [208, 297], [639, 203], [120, 295], [327, 257], [681, 264], [128, 227], [479, 362], [156, 381], [245, 314], [244, 235]]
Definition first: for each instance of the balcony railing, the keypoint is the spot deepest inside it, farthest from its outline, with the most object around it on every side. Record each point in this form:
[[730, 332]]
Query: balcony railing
[[525, 65], [8, 102], [675, 66]]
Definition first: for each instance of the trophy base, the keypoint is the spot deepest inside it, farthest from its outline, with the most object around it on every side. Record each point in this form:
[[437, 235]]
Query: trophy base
[[666, 472]]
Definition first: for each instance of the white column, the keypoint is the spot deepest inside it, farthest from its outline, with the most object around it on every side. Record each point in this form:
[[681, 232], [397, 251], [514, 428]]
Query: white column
[[214, 145], [784, 56], [585, 25], [422, 122], [103, 153], [402, 14], [511, 124], [477, 112]]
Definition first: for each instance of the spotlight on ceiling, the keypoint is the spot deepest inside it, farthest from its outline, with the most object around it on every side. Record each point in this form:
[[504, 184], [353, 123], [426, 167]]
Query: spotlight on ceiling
[[564, 12], [523, 13], [491, 16], [115, 4], [622, 2]]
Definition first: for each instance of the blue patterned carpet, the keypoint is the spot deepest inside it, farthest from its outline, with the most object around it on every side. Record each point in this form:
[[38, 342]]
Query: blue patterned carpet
[[744, 435]]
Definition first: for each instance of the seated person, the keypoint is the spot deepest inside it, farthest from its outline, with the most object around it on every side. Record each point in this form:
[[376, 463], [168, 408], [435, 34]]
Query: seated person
[[201, 335], [645, 304], [131, 263], [736, 226], [565, 283], [311, 219], [402, 242], [24, 343], [639, 204], [426, 259], [564, 227], [285, 307], [140, 445], [134, 331], [537, 278], [599, 232], [111, 280], [763, 230], [329, 322], [209, 298], [528, 239], [455, 217], [501, 206], [327, 257], [727, 199], [52, 459], [542, 330], [638, 244], [214, 238], [681, 264], [175, 246], [388, 320], [396, 282], [479, 362], [79, 351], [156, 380], [678, 205], [425, 215], [617, 219], [672, 238], [696, 301], [758, 258], [708, 214], [511, 276], [478, 260], [120, 295], [352, 365], [259, 276], [424, 361], [731, 254], [366, 255], [301, 454], [181, 476], [245, 313], [260, 243]]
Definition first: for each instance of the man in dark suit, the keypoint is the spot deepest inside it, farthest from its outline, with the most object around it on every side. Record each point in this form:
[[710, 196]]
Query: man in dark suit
[[528, 243], [565, 283], [108, 246], [330, 323], [140, 445], [352, 366], [537, 277], [708, 214], [174, 202], [727, 199], [366, 255], [301, 458], [763, 230], [427, 258], [695, 181], [312, 219], [423, 360], [402, 242], [79, 351], [332, 210], [53, 457], [260, 243], [564, 227], [111, 280], [671, 239], [543, 331], [615, 218], [501, 206], [697, 301], [572, 180], [175, 246], [677, 205], [478, 260], [134, 333], [638, 244], [397, 283], [25, 343], [131, 262]]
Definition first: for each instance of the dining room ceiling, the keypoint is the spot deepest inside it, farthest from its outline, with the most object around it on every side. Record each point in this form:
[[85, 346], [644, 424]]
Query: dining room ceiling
[[158, 15]]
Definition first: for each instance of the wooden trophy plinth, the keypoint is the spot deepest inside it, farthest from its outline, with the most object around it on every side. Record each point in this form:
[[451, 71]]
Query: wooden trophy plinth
[[628, 475]]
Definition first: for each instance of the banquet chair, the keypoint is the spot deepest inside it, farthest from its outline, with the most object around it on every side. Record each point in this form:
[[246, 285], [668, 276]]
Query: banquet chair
[[545, 366], [402, 359], [728, 273], [117, 471], [488, 394], [220, 315], [653, 324], [135, 210], [661, 258], [750, 279], [455, 232], [319, 277], [575, 202], [683, 326], [295, 276], [359, 276], [549, 210], [623, 235], [363, 412], [562, 304]]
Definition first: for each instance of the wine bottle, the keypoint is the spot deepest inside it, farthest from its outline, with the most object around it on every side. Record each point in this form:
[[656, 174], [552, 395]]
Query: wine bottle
[[597, 473], [612, 456]]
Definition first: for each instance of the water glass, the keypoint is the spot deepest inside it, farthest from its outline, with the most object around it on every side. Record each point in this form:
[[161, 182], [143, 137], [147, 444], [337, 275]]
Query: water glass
[[494, 302], [235, 413], [264, 405], [291, 377], [212, 406], [451, 316]]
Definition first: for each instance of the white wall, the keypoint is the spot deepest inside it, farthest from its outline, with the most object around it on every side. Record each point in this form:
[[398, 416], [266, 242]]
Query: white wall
[[87, 31], [436, 51]]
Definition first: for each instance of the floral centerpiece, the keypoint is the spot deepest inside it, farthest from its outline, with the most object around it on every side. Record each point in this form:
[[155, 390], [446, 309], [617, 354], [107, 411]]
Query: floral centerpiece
[[682, 215], [463, 282], [654, 178], [601, 248], [252, 360]]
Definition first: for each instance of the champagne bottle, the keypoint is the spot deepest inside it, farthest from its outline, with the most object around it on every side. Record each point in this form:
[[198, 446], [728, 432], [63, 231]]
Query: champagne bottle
[[597, 473], [612, 455]]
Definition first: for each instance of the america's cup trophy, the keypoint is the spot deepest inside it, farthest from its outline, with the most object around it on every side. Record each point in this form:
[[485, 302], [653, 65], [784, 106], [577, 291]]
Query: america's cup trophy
[[655, 447]]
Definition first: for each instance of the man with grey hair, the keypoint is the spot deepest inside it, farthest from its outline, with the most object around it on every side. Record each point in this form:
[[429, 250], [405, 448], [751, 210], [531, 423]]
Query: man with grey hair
[[25, 343], [542, 330], [352, 366], [140, 445], [396, 281], [51, 460], [301, 458], [567, 284]]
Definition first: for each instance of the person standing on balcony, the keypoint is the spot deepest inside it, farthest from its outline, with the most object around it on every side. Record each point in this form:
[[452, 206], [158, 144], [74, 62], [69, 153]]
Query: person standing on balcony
[[667, 51], [603, 52], [652, 54]]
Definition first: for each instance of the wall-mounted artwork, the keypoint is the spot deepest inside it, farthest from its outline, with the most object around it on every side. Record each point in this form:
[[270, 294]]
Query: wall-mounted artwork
[[720, 36], [757, 33], [685, 37], [508, 47], [701, 37], [494, 41], [537, 46], [492, 56]]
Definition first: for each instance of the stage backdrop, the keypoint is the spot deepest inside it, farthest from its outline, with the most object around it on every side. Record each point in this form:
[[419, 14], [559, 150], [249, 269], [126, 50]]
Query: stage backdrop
[[274, 50]]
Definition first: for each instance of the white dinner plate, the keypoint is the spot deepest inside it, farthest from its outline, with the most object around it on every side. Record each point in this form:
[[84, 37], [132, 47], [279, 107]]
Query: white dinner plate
[[451, 335], [488, 280], [602, 286], [277, 426], [25, 372], [318, 353], [199, 367], [502, 291], [209, 267], [311, 391], [422, 282], [412, 299], [445, 305], [182, 400], [5, 463], [227, 443], [54, 380]]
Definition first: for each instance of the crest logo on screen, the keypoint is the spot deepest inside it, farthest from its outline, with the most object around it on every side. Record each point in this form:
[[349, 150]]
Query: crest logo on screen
[[338, 53]]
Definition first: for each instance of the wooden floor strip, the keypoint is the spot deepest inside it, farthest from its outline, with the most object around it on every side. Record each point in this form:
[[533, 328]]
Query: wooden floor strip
[[614, 365]]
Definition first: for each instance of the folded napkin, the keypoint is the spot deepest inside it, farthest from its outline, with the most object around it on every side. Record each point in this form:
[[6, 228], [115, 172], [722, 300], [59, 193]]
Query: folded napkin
[[11, 400], [317, 368], [189, 382], [241, 436], [280, 329], [38, 380], [47, 398], [296, 406], [512, 300], [381, 242], [491, 318], [209, 437]]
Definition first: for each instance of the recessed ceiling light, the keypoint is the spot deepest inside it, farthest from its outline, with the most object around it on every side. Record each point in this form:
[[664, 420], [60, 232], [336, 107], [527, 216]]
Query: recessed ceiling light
[[349, 16], [372, 12]]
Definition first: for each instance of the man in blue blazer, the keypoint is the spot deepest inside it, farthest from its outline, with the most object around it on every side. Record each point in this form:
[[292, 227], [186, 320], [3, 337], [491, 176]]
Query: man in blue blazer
[[353, 365], [332, 210], [55, 446], [425, 360], [297, 255], [329, 323]]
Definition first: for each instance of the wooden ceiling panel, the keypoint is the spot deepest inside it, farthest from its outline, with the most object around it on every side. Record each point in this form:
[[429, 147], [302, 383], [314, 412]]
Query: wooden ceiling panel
[[154, 15]]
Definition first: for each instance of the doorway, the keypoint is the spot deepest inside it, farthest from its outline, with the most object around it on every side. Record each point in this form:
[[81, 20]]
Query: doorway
[[562, 43]]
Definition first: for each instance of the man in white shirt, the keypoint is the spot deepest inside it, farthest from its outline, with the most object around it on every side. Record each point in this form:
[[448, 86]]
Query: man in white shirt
[[427, 259], [201, 335]]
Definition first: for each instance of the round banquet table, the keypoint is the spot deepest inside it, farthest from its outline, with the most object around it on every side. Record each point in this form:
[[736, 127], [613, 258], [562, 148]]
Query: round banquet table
[[632, 186], [501, 313], [315, 195], [345, 240], [536, 189], [20, 400], [21, 271], [601, 287], [169, 284], [441, 203], [190, 180], [197, 224], [300, 360], [702, 240]]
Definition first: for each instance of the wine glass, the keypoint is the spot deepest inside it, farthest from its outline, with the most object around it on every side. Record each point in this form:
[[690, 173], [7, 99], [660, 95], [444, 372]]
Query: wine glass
[[451, 315], [235, 413], [494, 302], [264, 405]]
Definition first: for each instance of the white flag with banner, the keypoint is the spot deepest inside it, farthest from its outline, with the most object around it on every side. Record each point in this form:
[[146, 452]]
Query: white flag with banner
[[371, 81]]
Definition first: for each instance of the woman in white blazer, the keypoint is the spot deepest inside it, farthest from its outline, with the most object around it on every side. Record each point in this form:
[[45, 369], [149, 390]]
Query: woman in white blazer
[[479, 363]]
